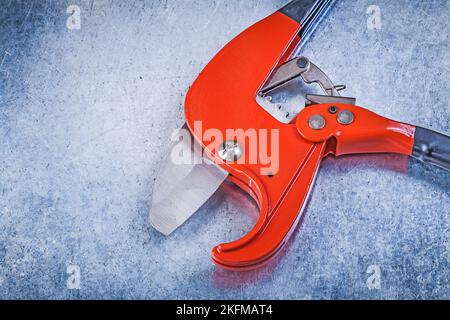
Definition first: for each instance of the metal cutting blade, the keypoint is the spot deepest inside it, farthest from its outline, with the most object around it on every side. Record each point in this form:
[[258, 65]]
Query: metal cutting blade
[[185, 182]]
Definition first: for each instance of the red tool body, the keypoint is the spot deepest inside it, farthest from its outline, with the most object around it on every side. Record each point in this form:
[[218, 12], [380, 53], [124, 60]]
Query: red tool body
[[223, 97]]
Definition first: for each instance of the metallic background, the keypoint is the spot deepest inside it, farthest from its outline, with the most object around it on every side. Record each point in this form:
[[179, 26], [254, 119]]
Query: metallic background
[[86, 116]]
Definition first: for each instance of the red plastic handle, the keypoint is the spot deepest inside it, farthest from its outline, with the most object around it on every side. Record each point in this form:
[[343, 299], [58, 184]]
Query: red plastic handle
[[280, 214], [282, 197], [367, 133]]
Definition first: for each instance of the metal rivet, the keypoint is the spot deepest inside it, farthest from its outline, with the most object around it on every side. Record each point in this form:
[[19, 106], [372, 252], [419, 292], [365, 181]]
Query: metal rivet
[[302, 63], [345, 117], [230, 151], [424, 148], [316, 122], [332, 109]]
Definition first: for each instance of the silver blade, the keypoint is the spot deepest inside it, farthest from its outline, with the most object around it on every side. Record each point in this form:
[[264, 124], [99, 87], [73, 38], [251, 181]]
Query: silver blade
[[184, 183]]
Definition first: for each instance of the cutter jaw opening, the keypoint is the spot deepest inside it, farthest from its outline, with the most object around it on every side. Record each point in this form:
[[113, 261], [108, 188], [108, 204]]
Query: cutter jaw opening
[[283, 76]]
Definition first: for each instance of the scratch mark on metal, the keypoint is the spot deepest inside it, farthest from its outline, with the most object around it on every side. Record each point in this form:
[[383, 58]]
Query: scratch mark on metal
[[6, 53], [26, 17]]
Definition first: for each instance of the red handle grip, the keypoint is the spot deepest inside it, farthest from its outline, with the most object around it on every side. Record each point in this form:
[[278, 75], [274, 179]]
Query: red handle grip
[[366, 133], [281, 202]]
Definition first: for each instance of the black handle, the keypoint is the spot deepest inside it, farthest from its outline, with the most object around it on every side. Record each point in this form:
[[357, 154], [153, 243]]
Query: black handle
[[432, 147], [307, 13], [299, 10]]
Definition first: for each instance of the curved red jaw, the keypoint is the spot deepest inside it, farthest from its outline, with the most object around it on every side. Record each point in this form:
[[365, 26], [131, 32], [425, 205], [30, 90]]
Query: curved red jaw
[[223, 97]]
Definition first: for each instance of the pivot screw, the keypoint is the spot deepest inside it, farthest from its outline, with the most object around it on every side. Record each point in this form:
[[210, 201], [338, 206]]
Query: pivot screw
[[316, 122], [230, 151], [345, 117]]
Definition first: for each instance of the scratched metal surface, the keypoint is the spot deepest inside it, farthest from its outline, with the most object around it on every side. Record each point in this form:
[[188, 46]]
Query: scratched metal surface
[[86, 115]]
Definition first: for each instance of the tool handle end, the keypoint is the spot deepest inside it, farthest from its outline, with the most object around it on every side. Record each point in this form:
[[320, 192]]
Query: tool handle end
[[432, 147]]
